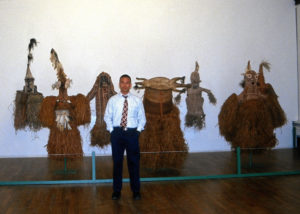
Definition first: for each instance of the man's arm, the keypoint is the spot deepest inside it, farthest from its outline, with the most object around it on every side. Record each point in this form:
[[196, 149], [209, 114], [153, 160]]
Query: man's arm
[[141, 117]]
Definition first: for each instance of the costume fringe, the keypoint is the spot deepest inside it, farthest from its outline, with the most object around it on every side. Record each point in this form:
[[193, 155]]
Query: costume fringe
[[198, 121], [65, 143], [254, 126], [157, 108], [228, 117], [20, 110], [100, 136], [82, 110], [47, 112], [277, 114], [249, 124], [68, 141], [34, 103], [163, 134]]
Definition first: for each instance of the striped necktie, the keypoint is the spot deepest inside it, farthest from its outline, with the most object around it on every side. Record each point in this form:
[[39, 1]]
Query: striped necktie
[[124, 113]]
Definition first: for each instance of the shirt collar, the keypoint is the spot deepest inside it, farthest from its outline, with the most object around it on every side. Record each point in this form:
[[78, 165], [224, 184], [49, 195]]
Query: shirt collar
[[128, 95]]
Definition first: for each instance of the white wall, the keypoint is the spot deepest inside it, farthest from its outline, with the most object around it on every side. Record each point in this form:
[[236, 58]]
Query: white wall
[[298, 52], [146, 38]]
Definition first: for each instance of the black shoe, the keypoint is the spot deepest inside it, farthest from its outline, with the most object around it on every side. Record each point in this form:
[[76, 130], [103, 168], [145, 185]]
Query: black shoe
[[116, 196], [137, 196]]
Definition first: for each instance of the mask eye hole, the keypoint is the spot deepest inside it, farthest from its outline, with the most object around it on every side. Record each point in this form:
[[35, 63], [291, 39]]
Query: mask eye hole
[[256, 76], [248, 76]]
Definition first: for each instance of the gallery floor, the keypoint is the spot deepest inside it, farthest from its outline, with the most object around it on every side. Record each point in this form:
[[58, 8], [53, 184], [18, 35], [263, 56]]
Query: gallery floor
[[262, 194]]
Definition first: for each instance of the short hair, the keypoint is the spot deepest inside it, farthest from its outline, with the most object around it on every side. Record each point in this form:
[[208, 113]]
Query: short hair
[[125, 75]]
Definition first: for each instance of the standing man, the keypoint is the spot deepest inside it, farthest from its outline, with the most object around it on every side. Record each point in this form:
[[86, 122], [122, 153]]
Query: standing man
[[125, 119]]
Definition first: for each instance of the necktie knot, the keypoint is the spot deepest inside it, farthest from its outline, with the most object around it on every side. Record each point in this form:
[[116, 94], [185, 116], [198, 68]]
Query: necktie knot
[[125, 96]]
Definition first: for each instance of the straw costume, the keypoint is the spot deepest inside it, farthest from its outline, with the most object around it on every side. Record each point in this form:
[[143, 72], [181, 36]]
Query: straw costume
[[248, 120], [103, 89], [62, 114], [162, 132], [28, 102], [195, 116]]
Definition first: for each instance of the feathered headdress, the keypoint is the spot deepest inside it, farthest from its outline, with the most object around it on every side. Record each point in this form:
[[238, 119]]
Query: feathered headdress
[[61, 76], [57, 65], [31, 46]]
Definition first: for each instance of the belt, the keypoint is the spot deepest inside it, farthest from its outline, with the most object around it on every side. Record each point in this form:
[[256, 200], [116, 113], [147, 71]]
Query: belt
[[124, 128]]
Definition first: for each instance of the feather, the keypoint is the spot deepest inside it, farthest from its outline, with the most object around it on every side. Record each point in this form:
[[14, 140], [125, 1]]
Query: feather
[[57, 66], [29, 58], [54, 58], [264, 64], [32, 44], [68, 83], [56, 85]]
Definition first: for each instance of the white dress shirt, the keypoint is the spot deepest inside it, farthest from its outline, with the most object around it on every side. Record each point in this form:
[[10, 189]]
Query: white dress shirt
[[136, 113]]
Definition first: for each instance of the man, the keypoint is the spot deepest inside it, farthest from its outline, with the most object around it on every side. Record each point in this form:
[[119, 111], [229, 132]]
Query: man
[[125, 119]]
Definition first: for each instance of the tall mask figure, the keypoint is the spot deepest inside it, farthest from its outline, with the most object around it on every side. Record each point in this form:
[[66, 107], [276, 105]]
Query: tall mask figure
[[62, 114], [162, 136], [195, 116], [102, 90], [28, 101], [248, 120]]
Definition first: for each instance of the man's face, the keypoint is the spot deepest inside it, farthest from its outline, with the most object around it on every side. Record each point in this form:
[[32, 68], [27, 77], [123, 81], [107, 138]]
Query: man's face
[[125, 85]]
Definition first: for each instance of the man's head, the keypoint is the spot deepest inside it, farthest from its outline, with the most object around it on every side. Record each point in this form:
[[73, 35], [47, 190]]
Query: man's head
[[125, 84]]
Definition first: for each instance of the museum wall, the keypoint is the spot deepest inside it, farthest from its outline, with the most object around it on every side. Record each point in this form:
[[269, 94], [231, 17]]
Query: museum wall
[[146, 38]]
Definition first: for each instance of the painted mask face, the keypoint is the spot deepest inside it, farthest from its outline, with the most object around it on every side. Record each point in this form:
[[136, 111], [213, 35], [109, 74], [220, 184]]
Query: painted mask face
[[250, 78], [104, 82]]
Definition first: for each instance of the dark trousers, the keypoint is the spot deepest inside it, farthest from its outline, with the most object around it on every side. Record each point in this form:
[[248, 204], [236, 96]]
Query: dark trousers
[[125, 140]]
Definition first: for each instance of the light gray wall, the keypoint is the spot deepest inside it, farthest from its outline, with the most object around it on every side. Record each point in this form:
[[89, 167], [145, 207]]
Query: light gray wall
[[298, 52], [147, 38]]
